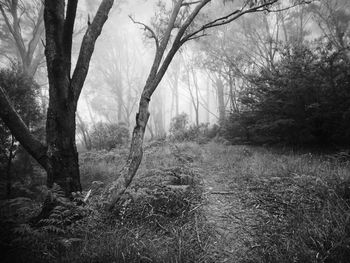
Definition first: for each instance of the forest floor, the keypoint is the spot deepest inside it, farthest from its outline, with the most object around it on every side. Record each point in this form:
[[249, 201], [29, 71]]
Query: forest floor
[[265, 205], [194, 202], [222, 208]]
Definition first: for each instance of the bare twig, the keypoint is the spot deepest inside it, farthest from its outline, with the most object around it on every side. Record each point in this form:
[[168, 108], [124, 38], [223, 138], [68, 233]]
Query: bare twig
[[228, 19], [153, 34]]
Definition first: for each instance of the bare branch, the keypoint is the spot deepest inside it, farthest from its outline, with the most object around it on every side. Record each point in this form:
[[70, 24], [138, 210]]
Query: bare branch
[[229, 18], [153, 35], [87, 47]]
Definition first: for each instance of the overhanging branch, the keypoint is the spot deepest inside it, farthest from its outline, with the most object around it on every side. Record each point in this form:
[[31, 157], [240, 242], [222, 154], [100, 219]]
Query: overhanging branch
[[228, 19], [21, 132]]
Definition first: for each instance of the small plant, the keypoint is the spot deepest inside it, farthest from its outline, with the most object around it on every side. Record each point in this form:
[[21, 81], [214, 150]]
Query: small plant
[[107, 136], [181, 131]]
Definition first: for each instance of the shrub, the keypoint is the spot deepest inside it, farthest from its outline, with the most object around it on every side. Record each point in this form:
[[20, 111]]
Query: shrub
[[106, 136], [180, 130], [304, 99]]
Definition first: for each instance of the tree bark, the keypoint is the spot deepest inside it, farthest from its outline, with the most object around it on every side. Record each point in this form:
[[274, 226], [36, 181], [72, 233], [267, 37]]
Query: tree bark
[[62, 154], [8, 169], [221, 99], [129, 170]]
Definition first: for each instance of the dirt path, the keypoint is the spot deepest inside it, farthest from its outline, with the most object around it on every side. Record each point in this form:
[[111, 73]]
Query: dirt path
[[223, 210]]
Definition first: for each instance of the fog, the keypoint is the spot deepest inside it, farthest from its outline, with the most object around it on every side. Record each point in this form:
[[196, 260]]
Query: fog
[[119, 68], [207, 75]]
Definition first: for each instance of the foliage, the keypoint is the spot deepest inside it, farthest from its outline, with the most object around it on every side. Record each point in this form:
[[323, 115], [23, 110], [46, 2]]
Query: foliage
[[101, 165], [180, 130], [150, 224], [304, 99], [28, 239], [106, 136], [22, 91]]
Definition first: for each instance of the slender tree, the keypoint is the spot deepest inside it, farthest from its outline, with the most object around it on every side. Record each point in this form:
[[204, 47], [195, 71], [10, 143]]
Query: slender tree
[[180, 28]]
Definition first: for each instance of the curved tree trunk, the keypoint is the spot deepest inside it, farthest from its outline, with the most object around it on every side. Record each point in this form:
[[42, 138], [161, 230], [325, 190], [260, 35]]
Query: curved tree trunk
[[133, 162]]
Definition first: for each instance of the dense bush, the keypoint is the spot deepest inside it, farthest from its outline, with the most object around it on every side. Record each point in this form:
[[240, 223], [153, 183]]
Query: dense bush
[[303, 99], [106, 136], [180, 130], [22, 92]]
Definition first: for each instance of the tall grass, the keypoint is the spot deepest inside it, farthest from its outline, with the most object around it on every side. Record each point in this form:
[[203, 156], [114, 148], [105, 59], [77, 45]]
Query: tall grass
[[301, 203], [152, 222]]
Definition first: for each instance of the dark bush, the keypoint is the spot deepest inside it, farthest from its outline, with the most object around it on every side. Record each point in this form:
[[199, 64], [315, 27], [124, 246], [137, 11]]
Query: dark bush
[[303, 100]]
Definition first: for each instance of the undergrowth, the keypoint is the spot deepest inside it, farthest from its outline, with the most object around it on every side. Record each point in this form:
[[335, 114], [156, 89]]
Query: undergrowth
[[295, 208], [153, 222], [301, 203]]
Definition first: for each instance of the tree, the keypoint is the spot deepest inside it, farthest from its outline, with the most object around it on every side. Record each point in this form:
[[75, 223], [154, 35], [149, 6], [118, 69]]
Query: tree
[[19, 18], [334, 20], [178, 27], [59, 155], [173, 77], [192, 89], [83, 131], [121, 70]]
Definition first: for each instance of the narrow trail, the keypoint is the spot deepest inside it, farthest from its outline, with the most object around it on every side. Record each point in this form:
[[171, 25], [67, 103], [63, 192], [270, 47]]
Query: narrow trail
[[224, 212]]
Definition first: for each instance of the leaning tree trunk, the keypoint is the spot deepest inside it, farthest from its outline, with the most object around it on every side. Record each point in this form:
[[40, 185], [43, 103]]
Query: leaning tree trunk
[[133, 162]]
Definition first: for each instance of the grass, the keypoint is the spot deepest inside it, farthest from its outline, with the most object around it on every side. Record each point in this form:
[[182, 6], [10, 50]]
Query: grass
[[300, 203], [152, 223], [293, 207]]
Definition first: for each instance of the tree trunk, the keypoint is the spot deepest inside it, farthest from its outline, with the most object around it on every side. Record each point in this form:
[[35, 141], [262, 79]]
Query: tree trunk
[[63, 165], [129, 170], [221, 99], [176, 92], [208, 103], [8, 170], [60, 157]]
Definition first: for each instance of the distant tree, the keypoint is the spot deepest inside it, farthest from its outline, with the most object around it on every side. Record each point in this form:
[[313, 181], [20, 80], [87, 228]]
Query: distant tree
[[83, 131], [122, 71], [173, 77], [22, 24], [333, 18], [59, 156], [178, 126]]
